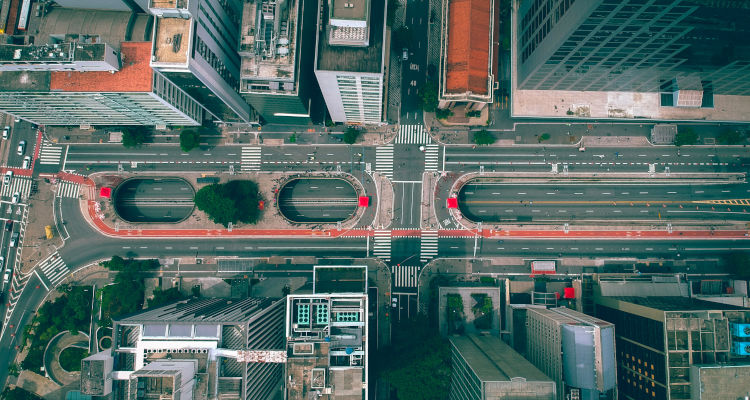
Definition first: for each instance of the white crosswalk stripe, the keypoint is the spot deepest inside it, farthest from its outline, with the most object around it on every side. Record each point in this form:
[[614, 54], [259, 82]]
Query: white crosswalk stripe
[[431, 157], [250, 158], [68, 189], [53, 269], [405, 276], [428, 245], [413, 134], [384, 160], [382, 245], [50, 154], [17, 184]]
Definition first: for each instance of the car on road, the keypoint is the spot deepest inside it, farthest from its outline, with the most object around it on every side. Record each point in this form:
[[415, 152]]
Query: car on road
[[6, 132], [16, 197], [13, 239], [9, 225], [6, 277], [21, 147], [27, 162], [405, 55], [7, 177]]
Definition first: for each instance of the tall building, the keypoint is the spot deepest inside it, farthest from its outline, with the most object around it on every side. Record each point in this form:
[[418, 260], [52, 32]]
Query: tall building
[[485, 368], [685, 49], [469, 51], [349, 59], [194, 349], [575, 350], [195, 46], [659, 339], [91, 84], [277, 50]]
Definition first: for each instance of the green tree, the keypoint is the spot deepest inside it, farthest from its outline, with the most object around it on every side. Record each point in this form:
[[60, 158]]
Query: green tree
[[70, 358], [428, 95], [443, 113], [134, 137], [685, 137], [162, 297], [18, 393], [230, 202], [14, 369], [351, 134], [543, 137], [483, 137], [730, 137], [189, 139], [286, 290], [393, 6], [293, 138]]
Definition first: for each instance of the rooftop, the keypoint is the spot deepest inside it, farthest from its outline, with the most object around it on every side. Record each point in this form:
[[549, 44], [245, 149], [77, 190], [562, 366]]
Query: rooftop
[[134, 76], [669, 303], [62, 53], [367, 59], [172, 40], [182, 4], [723, 381], [201, 310], [492, 360], [87, 26], [468, 47], [24, 81], [349, 9]]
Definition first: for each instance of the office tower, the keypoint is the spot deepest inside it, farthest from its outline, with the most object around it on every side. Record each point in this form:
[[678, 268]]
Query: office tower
[[74, 83], [201, 348], [659, 339], [277, 50], [469, 50], [195, 47], [485, 368], [575, 350], [349, 59], [686, 49]]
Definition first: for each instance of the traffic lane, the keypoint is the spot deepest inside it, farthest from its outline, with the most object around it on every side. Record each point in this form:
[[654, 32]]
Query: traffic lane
[[155, 188], [28, 301], [542, 248], [512, 193], [20, 131], [407, 210], [594, 166], [318, 211], [318, 189]]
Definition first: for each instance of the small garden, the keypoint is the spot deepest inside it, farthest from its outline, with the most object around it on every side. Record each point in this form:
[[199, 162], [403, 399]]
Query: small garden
[[482, 310], [70, 358], [454, 313]]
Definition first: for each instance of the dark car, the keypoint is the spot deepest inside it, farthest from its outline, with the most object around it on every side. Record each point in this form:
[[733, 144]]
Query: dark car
[[9, 225]]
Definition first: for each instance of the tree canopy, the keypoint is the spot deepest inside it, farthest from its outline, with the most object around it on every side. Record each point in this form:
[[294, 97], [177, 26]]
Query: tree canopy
[[189, 139], [351, 134], [18, 393], [162, 297], [125, 296], [134, 137], [234, 201], [428, 94], [483, 138]]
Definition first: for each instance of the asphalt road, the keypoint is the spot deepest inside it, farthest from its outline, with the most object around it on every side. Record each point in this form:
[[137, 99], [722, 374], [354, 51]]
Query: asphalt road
[[317, 200], [20, 131], [414, 69], [154, 200], [555, 203]]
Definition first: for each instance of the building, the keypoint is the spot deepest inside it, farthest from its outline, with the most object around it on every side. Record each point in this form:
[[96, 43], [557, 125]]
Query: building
[[79, 89], [687, 50], [469, 51], [720, 381], [326, 336], [575, 350], [277, 52], [485, 368], [203, 348], [110, 5], [350, 59], [659, 339], [194, 45]]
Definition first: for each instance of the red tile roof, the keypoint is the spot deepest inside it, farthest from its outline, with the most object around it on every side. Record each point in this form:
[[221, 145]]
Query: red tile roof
[[468, 46], [135, 75]]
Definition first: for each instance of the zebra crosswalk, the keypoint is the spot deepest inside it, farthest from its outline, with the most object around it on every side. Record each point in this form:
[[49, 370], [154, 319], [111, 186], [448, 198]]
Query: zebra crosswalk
[[382, 245], [250, 160], [68, 189], [413, 134], [53, 269], [404, 276], [384, 160], [50, 154], [431, 157], [18, 184], [428, 245]]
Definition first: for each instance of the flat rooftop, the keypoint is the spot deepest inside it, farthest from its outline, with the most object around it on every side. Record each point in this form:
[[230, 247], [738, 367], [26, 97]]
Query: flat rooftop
[[353, 59], [350, 9], [492, 360], [25, 81], [62, 53], [172, 40], [109, 27], [216, 310], [182, 4], [668, 303], [135, 75], [261, 58]]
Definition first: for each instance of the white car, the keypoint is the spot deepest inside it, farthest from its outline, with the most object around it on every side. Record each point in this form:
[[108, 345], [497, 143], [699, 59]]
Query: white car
[[13, 239], [16, 198], [27, 162], [21, 147], [6, 277], [6, 132], [7, 177]]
